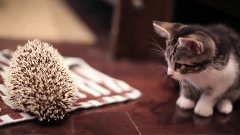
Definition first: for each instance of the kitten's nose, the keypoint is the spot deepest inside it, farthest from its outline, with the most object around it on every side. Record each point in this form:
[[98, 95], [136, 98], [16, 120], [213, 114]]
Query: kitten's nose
[[170, 72]]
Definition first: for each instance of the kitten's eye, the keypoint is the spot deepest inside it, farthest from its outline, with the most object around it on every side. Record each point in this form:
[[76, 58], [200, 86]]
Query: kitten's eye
[[178, 65]]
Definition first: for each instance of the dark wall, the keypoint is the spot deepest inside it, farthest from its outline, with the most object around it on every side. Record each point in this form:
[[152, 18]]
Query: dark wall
[[208, 12]]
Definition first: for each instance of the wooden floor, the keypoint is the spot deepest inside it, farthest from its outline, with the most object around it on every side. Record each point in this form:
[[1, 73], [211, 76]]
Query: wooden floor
[[154, 113]]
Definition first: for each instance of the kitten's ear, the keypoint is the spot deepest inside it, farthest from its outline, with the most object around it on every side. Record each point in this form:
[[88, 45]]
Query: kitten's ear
[[166, 29], [192, 45]]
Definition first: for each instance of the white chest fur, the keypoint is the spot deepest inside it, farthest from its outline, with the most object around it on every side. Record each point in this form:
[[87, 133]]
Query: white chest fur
[[216, 78]]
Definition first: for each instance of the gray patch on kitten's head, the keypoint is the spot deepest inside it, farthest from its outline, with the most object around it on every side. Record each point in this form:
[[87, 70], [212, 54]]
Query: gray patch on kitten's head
[[188, 50]]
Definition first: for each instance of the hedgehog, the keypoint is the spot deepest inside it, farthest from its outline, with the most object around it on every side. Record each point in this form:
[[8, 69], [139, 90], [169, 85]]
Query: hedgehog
[[39, 82]]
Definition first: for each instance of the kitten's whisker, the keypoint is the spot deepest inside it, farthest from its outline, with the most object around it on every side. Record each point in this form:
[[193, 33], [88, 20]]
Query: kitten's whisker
[[157, 45], [190, 87], [185, 87], [164, 68], [196, 77], [156, 51], [165, 77], [155, 41], [162, 71], [207, 75], [182, 85]]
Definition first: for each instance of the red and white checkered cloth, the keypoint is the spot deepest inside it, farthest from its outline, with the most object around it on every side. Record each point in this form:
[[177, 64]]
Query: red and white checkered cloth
[[94, 89]]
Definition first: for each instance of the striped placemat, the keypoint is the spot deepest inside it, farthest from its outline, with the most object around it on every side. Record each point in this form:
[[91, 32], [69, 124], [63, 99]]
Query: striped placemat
[[95, 89]]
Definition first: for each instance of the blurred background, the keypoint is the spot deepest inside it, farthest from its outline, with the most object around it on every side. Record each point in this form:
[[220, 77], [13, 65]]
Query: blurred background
[[123, 27], [116, 37]]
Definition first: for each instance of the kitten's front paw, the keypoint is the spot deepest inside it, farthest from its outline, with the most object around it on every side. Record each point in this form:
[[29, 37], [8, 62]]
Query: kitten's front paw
[[203, 109], [225, 106], [185, 103]]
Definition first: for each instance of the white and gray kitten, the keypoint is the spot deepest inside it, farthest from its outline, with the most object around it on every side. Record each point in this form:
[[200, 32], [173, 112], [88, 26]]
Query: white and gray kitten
[[206, 62]]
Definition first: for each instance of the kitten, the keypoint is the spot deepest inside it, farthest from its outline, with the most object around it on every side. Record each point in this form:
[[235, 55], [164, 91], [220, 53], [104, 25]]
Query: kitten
[[206, 62]]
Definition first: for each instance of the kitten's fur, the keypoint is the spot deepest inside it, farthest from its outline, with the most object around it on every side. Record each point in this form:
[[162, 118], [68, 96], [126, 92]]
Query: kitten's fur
[[206, 62]]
